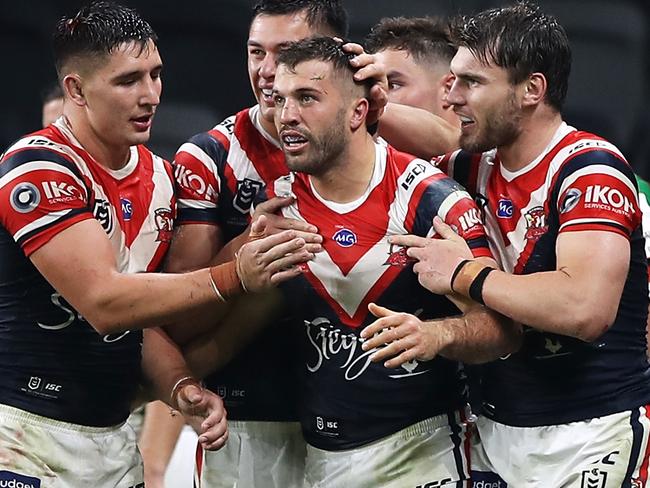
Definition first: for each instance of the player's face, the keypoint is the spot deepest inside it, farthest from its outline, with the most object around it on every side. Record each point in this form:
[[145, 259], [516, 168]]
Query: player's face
[[121, 96], [310, 116], [267, 35], [408, 82], [486, 102]]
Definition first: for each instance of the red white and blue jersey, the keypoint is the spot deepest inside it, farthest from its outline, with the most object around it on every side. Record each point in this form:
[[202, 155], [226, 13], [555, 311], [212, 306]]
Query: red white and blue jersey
[[52, 362], [218, 175], [580, 182], [347, 400]]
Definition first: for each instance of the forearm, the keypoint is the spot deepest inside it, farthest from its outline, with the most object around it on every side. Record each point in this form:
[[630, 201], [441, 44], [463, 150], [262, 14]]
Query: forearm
[[552, 301], [479, 336], [417, 131], [233, 332], [112, 310], [163, 364]]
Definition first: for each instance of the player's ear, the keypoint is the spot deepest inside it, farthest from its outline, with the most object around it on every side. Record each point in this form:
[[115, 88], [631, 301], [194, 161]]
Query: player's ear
[[534, 89], [359, 114], [73, 87]]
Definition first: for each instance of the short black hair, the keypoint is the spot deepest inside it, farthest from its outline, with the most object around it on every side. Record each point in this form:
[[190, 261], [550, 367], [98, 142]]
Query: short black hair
[[424, 38], [320, 49], [521, 39], [321, 14], [96, 30]]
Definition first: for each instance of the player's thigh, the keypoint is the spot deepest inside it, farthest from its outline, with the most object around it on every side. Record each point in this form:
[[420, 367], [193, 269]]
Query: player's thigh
[[429, 454], [37, 451]]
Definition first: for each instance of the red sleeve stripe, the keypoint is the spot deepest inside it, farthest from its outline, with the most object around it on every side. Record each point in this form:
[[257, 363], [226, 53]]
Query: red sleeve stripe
[[43, 236]]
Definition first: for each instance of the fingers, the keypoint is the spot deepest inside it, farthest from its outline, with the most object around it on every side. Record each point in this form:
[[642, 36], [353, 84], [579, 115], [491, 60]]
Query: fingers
[[286, 274], [351, 47], [444, 230], [214, 433], [258, 227], [371, 71], [274, 205], [284, 223], [409, 241], [378, 312], [280, 251], [265, 244], [289, 261]]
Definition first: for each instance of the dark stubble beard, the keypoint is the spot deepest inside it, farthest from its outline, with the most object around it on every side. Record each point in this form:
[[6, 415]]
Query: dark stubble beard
[[500, 128], [324, 149]]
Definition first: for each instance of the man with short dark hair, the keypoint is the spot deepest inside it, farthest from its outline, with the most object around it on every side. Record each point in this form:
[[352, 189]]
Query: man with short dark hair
[[233, 162], [416, 53], [367, 425], [562, 212], [86, 215]]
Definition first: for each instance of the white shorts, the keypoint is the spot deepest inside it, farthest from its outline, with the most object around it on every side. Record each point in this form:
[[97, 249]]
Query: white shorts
[[431, 453], [611, 451], [44, 453], [257, 454]]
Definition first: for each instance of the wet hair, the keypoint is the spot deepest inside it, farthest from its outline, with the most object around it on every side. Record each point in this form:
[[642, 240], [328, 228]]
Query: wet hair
[[424, 38], [321, 49], [96, 30], [522, 40], [325, 16]]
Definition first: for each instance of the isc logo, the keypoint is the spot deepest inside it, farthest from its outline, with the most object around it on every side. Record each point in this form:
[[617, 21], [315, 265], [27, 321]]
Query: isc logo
[[345, 238]]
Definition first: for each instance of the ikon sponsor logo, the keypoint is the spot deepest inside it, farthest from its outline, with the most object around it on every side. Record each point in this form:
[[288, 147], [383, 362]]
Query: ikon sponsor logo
[[607, 198], [505, 208], [58, 191], [194, 183], [345, 238], [16, 480], [469, 219]]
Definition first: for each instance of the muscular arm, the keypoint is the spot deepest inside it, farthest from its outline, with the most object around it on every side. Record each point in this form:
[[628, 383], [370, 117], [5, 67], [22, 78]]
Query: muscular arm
[[79, 263], [579, 299], [417, 131]]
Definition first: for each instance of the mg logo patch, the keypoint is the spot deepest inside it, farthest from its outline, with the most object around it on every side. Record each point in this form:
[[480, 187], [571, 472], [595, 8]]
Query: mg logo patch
[[345, 238]]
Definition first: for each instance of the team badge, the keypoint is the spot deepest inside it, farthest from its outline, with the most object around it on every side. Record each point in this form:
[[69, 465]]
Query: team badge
[[164, 224], [397, 257], [594, 478], [102, 213], [345, 237], [25, 197], [536, 223], [34, 383], [246, 191]]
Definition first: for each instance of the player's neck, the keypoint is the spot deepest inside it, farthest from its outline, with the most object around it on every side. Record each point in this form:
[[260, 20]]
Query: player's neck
[[349, 176], [536, 134], [113, 157]]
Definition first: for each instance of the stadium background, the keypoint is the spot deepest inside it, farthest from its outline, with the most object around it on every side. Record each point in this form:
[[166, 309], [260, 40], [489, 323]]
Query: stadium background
[[202, 44]]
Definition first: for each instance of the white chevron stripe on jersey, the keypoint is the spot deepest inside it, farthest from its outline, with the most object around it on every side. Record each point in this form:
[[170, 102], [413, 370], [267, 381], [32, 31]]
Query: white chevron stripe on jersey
[[40, 222]]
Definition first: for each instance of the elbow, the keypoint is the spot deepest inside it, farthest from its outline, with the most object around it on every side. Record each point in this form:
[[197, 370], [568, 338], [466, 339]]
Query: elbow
[[102, 313], [590, 323]]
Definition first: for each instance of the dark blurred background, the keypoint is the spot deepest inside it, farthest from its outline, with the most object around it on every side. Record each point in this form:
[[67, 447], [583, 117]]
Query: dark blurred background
[[202, 43]]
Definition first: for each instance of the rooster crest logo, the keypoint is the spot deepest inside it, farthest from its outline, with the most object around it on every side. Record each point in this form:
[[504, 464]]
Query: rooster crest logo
[[398, 257]]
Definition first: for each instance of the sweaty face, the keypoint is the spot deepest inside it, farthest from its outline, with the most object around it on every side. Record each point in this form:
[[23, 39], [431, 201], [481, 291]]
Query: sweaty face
[[311, 116], [267, 35], [486, 102], [121, 95], [409, 83]]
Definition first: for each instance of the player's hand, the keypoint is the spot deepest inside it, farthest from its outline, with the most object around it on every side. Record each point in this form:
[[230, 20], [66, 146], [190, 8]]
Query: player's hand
[[276, 223], [436, 258], [402, 337], [204, 411], [369, 68], [267, 260]]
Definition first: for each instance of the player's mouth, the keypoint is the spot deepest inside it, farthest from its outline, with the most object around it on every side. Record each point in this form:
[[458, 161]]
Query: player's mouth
[[142, 123], [267, 96], [293, 141], [466, 122]]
